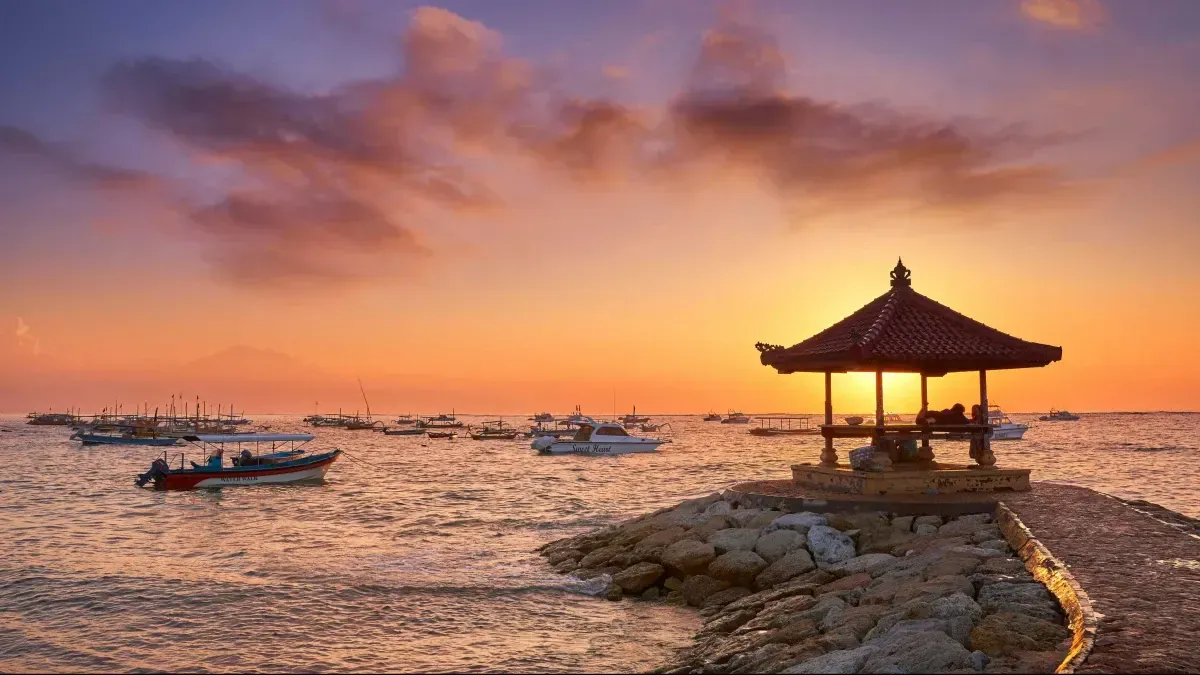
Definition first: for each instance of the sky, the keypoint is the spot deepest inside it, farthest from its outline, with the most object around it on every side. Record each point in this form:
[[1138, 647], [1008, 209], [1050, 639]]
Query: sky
[[534, 204]]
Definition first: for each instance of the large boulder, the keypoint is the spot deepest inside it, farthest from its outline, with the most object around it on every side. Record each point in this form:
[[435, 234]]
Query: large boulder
[[916, 652], [799, 522], [903, 523], [719, 509], [951, 565], [774, 545], [688, 556], [704, 530], [873, 564], [558, 556], [725, 597], [638, 578], [957, 627], [1030, 598], [1006, 633], [786, 568], [1001, 566], [828, 546], [860, 580], [763, 519], [737, 567], [935, 521], [696, 589], [868, 520], [965, 526], [884, 540], [933, 589], [854, 621], [601, 555], [725, 623], [741, 517], [734, 539], [841, 661], [956, 604], [657, 541]]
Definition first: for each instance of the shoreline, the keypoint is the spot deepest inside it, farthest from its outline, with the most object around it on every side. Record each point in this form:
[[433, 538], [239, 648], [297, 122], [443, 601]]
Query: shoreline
[[783, 590]]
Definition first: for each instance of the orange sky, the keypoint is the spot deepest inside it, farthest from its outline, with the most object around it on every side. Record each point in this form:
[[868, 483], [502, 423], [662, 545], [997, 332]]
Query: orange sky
[[583, 271]]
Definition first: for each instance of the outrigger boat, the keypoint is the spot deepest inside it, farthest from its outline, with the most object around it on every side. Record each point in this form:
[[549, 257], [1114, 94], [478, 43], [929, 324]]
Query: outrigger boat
[[633, 418], [137, 436], [443, 435], [494, 431], [404, 432], [542, 417], [278, 464], [597, 439], [51, 419], [405, 420], [560, 429], [784, 426], [442, 421]]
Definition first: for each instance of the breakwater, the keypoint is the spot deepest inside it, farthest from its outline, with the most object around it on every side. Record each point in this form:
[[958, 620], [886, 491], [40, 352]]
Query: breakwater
[[814, 592]]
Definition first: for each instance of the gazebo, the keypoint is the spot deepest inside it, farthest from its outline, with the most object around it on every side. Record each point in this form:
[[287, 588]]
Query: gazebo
[[903, 331]]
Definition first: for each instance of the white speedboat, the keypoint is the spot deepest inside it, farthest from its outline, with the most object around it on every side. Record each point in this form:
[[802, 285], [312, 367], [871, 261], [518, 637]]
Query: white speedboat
[[1059, 416], [735, 417], [597, 439], [1003, 428]]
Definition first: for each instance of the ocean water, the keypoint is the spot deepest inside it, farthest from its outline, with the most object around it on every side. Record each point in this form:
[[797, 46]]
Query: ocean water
[[419, 556]]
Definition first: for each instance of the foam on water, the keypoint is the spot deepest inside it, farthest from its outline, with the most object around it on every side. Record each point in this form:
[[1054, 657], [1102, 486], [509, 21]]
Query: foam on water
[[423, 560]]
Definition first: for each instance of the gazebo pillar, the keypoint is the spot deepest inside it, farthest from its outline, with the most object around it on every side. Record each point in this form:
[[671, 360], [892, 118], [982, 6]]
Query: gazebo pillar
[[828, 454], [879, 398], [925, 454], [984, 457]]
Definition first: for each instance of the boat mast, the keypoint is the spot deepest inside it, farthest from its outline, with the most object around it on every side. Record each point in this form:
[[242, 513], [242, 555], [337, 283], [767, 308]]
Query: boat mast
[[364, 393]]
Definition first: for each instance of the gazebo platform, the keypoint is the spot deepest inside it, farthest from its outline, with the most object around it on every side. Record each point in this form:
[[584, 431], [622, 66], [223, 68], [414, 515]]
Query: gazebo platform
[[927, 478]]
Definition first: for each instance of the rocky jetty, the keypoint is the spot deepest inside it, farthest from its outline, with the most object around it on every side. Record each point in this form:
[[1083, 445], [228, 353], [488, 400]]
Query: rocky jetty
[[829, 592]]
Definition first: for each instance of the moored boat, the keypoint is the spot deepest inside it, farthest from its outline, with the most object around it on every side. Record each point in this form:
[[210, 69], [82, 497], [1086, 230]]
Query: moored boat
[[597, 439], [1059, 416], [542, 417], [494, 431], [442, 421], [443, 434], [634, 418], [404, 432], [735, 417], [784, 426], [1003, 428], [712, 417], [277, 464], [136, 437], [51, 419]]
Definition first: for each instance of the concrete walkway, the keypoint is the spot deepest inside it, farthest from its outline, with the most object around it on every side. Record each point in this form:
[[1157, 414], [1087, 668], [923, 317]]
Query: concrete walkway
[[1142, 574]]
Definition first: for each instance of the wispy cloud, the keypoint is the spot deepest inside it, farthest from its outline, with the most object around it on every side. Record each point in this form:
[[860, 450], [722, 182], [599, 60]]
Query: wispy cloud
[[340, 185], [26, 339], [1078, 15]]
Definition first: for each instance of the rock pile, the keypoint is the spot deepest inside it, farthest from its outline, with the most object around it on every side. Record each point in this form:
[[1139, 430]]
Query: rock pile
[[830, 592]]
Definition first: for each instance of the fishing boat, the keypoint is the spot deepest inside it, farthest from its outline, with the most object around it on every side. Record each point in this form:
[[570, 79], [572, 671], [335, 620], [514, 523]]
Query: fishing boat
[[494, 431], [892, 418], [597, 439], [281, 461], [1059, 416], [579, 418], [633, 418], [443, 434], [853, 420], [542, 417], [655, 427], [137, 436], [442, 421], [1003, 428], [50, 419], [405, 420], [784, 426], [403, 432], [560, 429], [712, 417], [735, 417], [364, 424]]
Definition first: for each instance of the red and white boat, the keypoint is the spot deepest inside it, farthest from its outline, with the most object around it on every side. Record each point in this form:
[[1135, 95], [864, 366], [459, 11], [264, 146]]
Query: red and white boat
[[257, 459]]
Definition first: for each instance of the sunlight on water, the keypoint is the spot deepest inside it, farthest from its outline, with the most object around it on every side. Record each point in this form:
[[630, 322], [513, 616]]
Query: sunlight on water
[[423, 561]]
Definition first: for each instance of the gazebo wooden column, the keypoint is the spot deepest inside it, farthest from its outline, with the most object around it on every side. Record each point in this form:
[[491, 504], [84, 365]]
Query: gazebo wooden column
[[828, 454], [879, 398], [925, 454], [984, 456]]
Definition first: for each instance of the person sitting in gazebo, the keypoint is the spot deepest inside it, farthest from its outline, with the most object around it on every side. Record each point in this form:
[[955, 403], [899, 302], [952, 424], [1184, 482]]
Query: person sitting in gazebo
[[955, 414]]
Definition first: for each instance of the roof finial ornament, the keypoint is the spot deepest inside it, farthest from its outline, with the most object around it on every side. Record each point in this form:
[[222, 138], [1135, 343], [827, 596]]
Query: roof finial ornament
[[900, 275]]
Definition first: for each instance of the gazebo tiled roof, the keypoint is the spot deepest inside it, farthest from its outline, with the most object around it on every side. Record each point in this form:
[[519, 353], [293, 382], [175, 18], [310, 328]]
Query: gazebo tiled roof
[[904, 331]]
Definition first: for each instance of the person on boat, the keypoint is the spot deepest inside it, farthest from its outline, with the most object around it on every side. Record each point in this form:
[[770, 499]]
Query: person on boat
[[214, 460]]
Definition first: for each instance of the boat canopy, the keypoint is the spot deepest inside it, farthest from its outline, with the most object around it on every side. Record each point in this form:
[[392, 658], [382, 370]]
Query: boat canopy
[[248, 438]]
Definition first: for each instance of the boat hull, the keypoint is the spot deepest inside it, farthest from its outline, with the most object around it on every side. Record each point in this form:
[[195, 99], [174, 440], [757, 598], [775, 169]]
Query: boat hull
[[494, 437], [100, 439], [735, 421], [1012, 433], [785, 432], [605, 448], [404, 432], [310, 469]]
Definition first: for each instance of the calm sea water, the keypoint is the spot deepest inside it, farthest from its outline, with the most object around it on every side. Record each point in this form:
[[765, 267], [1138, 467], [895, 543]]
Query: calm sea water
[[423, 561]]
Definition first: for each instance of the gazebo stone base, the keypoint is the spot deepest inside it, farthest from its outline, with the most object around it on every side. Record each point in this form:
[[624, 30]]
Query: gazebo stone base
[[923, 479]]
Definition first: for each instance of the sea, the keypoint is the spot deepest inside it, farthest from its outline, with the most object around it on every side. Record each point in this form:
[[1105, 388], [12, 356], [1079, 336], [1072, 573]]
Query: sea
[[414, 554]]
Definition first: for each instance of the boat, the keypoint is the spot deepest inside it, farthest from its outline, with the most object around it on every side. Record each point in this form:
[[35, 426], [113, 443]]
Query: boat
[[403, 432], [442, 421], [1059, 416], [784, 426], [494, 431], [853, 420], [892, 418], [655, 427], [404, 420], [579, 418], [363, 423], [560, 429], [542, 417], [275, 464], [735, 418], [50, 419], [632, 418], [712, 417], [597, 439], [1003, 428], [137, 436], [442, 434]]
